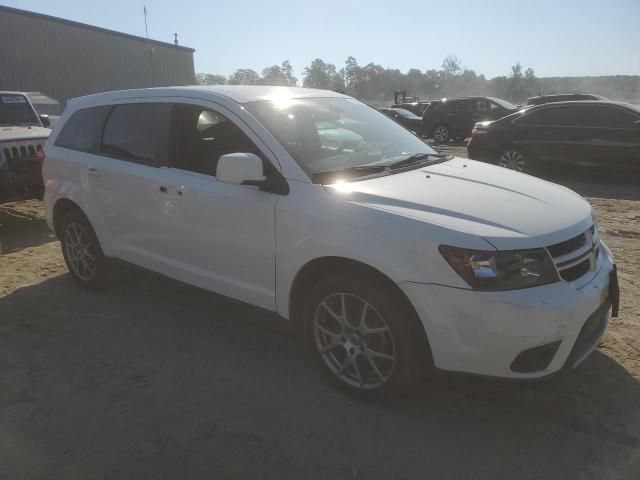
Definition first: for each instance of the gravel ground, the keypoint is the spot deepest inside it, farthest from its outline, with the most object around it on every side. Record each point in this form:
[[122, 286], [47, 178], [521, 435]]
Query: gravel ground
[[155, 379]]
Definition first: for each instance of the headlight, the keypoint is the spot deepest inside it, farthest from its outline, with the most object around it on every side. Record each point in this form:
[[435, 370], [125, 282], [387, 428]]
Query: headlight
[[508, 270]]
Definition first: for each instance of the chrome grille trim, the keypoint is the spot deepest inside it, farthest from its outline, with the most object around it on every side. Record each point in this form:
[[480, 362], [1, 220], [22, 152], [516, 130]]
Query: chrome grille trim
[[14, 151], [571, 265]]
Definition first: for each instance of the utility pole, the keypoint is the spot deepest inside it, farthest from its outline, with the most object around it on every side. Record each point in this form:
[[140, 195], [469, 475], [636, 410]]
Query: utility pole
[[149, 48]]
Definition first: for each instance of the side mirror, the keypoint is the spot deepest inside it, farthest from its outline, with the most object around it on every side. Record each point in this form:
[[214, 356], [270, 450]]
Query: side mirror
[[241, 169], [45, 120]]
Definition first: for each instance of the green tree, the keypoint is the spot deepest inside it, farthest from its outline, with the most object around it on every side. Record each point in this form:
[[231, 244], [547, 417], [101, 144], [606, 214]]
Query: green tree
[[352, 75], [322, 75], [212, 79], [451, 66], [279, 75], [244, 76]]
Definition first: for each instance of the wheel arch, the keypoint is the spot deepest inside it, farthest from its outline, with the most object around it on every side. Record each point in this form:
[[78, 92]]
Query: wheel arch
[[315, 269], [60, 209]]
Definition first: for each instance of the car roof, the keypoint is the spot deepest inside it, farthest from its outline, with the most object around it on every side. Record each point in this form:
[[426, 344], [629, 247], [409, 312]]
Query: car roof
[[581, 102], [552, 95], [236, 93]]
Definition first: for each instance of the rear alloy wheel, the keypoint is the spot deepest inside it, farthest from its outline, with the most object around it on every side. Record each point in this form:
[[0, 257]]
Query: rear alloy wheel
[[82, 252], [513, 160], [441, 134], [363, 337]]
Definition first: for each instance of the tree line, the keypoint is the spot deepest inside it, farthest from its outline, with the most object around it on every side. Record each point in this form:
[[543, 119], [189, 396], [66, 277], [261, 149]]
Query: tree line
[[377, 84]]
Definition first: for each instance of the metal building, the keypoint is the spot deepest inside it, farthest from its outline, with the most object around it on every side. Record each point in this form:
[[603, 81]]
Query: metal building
[[66, 59]]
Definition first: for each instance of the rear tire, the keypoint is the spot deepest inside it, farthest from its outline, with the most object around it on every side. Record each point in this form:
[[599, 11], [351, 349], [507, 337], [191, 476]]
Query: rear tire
[[363, 337], [82, 251]]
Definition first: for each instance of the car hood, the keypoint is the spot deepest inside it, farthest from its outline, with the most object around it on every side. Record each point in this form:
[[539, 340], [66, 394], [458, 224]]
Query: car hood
[[510, 210], [14, 133]]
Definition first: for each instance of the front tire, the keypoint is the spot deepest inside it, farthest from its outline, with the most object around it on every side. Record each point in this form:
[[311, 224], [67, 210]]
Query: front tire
[[441, 134], [82, 251], [514, 159], [362, 336]]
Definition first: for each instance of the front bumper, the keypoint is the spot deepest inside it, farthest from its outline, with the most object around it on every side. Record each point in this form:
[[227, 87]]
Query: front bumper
[[484, 332], [19, 175]]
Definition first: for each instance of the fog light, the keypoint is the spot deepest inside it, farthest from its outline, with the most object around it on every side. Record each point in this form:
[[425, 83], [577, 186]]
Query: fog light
[[535, 359]]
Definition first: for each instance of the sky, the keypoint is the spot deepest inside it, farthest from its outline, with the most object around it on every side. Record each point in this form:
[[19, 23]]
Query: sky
[[554, 37]]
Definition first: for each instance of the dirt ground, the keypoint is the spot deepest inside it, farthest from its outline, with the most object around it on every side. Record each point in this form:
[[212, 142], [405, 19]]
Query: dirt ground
[[155, 379]]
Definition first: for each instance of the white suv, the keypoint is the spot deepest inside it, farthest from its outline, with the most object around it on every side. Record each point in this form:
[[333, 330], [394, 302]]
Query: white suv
[[317, 207]]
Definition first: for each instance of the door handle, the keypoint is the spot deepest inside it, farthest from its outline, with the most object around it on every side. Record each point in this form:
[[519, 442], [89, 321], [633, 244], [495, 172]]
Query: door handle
[[163, 189], [93, 171]]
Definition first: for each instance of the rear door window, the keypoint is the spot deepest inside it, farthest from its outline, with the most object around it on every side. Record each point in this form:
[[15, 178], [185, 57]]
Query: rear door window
[[138, 132], [614, 117], [82, 131], [552, 116]]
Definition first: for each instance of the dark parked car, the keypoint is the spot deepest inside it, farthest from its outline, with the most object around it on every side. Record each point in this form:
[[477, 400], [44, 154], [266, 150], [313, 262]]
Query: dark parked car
[[455, 117], [405, 117], [564, 97], [569, 136]]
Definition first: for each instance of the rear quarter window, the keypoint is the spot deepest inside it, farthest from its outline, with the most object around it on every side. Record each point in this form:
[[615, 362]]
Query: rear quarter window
[[82, 131], [138, 132]]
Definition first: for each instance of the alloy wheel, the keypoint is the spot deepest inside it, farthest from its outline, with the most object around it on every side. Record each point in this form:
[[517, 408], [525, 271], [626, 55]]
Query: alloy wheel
[[78, 246], [354, 341], [513, 160], [441, 134]]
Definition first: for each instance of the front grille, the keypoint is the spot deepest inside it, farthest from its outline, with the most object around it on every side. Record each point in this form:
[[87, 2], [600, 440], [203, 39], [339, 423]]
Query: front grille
[[18, 153], [576, 257], [573, 273], [567, 246]]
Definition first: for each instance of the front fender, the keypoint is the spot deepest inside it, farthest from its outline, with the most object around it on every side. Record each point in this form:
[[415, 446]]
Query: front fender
[[312, 224]]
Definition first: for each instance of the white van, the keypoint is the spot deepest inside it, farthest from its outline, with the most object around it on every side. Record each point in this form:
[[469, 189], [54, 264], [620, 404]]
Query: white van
[[317, 207]]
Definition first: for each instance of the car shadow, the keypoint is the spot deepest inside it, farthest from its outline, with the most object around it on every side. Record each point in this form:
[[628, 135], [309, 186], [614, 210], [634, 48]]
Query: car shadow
[[158, 379], [21, 228]]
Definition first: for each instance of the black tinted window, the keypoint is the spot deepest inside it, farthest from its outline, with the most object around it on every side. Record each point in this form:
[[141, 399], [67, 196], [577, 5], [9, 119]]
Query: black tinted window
[[199, 136], [138, 132], [585, 115], [614, 117], [82, 130], [481, 105], [460, 105], [552, 116]]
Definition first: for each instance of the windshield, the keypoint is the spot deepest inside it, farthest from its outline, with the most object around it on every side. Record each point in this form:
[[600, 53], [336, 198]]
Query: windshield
[[406, 113], [15, 110], [504, 103], [324, 134]]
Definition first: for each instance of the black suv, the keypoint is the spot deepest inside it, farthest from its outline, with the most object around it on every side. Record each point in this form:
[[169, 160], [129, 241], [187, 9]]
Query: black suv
[[455, 117], [569, 136], [563, 97]]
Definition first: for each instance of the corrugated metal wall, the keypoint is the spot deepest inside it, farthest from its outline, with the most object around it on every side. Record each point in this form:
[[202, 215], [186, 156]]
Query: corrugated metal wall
[[66, 60]]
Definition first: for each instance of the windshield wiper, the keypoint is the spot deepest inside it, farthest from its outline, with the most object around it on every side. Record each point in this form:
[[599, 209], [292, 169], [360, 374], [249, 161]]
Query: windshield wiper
[[418, 157], [359, 171]]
